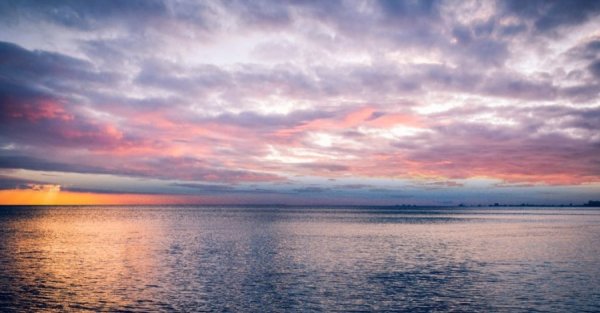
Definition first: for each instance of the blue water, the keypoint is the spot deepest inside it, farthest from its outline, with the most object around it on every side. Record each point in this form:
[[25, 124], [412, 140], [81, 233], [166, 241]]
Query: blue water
[[299, 259]]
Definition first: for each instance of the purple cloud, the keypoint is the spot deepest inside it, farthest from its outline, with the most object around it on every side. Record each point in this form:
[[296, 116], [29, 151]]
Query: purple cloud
[[221, 96]]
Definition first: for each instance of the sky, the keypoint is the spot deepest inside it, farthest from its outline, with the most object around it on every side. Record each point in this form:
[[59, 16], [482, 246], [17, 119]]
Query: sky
[[299, 102]]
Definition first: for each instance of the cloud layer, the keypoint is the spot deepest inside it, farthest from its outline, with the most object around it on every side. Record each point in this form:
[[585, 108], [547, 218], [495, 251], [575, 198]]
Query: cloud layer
[[288, 99]]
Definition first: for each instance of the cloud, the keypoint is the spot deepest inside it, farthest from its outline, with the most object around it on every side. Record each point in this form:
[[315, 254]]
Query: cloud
[[44, 188], [440, 184], [549, 15], [219, 96], [40, 164], [8, 182], [39, 67], [310, 189], [104, 14], [594, 68]]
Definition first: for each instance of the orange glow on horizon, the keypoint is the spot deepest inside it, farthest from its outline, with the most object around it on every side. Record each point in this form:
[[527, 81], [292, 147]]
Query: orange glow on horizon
[[53, 196]]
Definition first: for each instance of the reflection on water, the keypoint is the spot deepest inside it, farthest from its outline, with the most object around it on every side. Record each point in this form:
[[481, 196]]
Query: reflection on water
[[289, 259]]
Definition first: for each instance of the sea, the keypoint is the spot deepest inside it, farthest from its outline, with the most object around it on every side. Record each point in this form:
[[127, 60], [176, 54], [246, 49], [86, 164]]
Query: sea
[[299, 259]]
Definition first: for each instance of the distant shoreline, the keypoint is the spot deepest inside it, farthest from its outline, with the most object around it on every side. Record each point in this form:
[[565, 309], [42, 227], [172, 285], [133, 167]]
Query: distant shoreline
[[591, 204]]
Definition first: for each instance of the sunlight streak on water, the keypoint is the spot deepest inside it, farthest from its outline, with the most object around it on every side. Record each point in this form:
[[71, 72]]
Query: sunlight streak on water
[[313, 259]]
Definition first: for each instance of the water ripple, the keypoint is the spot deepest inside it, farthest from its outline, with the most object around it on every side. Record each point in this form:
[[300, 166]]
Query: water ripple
[[141, 259]]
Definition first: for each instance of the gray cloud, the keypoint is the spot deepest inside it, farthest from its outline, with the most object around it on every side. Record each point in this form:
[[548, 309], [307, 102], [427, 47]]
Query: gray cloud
[[216, 94], [550, 15]]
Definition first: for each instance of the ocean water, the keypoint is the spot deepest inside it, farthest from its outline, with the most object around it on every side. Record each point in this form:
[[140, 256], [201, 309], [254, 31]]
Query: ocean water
[[269, 259]]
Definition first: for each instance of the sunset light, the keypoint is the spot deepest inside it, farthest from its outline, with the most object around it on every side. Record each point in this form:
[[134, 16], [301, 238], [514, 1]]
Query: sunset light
[[281, 97], [300, 156]]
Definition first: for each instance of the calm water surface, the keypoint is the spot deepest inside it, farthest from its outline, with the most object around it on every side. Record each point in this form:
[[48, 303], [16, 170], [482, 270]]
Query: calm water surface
[[299, 259]]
